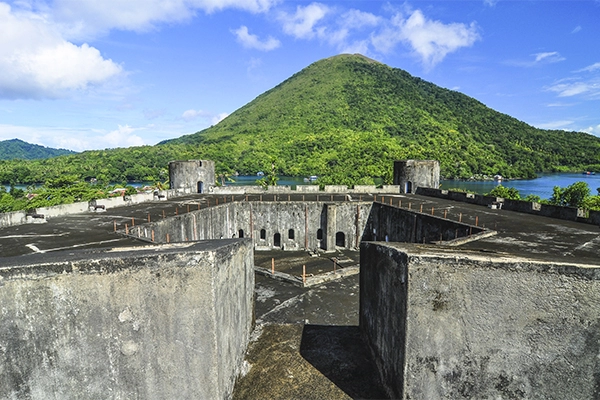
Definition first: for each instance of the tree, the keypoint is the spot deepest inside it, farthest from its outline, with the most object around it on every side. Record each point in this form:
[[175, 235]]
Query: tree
[[574, 195], [505, 192]]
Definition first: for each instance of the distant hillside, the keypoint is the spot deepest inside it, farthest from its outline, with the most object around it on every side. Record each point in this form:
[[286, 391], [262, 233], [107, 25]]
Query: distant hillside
[[345, 119], [348, 117], [18, 149]]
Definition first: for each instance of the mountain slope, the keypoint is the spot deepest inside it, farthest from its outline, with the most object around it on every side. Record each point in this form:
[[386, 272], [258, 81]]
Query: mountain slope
[[348, 117], [18, 149]]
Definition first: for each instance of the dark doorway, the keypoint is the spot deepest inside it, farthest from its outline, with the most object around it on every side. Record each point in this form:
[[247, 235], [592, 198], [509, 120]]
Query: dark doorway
[[291, 234], [277, 240], [408, 187], [263, 234], [340, 239], [200, 187], [241, 233]]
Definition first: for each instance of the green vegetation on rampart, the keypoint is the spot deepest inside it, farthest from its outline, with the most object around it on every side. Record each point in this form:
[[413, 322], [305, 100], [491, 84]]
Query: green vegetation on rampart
[[576, 195]]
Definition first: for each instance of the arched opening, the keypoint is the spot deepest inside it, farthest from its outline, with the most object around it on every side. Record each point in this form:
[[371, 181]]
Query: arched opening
[[200, 187], [319, 234], [340, 239], [277, 240], [291, 234], [263, 234], [408, 187], [241, 233]]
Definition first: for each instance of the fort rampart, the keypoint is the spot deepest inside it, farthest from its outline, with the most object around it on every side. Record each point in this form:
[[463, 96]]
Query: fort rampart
[[443, 325], [153, 322]]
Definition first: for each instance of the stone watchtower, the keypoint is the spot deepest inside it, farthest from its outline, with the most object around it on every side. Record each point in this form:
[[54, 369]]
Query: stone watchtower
[[411, 174], [193, 176]]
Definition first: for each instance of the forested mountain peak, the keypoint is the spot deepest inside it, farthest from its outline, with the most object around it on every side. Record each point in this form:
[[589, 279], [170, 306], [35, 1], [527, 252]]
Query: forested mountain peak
[[348, 117]]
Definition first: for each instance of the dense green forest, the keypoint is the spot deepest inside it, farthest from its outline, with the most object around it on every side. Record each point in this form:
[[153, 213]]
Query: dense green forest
[[345, 119], [18, 149]]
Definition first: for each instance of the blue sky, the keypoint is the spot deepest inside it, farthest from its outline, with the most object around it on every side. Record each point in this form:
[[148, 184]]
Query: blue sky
[[93, 74]]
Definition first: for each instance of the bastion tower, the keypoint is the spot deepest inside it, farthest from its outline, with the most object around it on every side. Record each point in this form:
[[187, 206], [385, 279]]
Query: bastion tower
[[192, 176], [411, 174]]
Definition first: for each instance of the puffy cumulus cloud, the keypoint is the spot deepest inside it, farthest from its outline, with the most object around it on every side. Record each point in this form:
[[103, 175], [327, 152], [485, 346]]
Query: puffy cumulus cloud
[[592, 130], [74, 139], [251, 41], [218, 118], [191, 115], [431, 40], [85, 19], [302, 24], [348, 25], [121, 137], [36, 62]]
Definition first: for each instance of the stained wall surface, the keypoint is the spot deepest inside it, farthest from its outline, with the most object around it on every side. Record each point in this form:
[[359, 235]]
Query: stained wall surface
[[193, 176], [163, 322], [296, 223], [412, 174], [447, 325]]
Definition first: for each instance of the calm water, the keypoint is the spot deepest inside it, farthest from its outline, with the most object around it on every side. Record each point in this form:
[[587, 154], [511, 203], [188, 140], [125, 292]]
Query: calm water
[[283, 180], [542, 186]]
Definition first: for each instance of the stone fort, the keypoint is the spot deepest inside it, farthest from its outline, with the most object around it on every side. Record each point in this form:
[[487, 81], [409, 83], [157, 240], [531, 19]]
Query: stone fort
[[152, 296]]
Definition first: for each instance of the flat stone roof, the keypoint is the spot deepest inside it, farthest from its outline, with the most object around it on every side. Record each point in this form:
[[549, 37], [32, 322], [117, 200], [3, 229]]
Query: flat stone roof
[[518, 234]]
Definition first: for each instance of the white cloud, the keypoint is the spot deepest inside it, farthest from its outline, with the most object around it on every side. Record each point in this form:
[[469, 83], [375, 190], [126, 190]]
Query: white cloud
[[568, 89], [356, 19], [121, 137], [36, 62], [490, 3], [563, 124], [74, 139], [544, 58], [550, 57], [430, 40], [208, 116], [592, 130], [302, 24], [85, 19], [218, 118], [251, 41], [590, 68], [576, 29]]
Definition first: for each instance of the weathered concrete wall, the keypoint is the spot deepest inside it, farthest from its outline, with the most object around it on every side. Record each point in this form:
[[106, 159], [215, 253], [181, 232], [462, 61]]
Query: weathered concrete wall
[[167, 322], [13, 218], [20, 217], [196, 176], [411, 174], [394, 224], [448, 326], [305, 219]]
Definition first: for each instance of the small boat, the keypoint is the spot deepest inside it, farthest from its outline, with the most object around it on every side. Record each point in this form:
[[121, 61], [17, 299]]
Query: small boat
[[498, 178], [260, 173], [313, 178]]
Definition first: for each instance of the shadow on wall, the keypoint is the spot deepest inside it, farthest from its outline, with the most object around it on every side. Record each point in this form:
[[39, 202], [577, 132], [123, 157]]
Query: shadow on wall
[[339, 353]]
